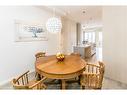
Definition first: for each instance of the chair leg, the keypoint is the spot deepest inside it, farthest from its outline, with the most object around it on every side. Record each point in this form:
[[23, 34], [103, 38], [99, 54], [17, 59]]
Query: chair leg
[[38, 77], [63, 84], [76, 78], [82, 87], [35, 74], [98, 88], [79, 77]]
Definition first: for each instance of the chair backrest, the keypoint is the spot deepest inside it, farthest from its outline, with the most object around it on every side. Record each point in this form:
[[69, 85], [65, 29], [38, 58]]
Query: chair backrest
[[21, 82], [93, 75], [74, 53], [40, 54], [102, 70]]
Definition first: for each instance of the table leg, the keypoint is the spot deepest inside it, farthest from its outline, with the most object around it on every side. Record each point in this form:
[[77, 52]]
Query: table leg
[[79, 77], [63, 84]]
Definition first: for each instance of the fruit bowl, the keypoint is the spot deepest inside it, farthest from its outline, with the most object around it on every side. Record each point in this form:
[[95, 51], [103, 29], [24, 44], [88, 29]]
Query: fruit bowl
[[60, 56]]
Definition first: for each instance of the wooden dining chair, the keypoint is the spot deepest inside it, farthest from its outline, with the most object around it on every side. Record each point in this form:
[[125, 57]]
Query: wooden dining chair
[[38, 55], [23, 82], [74, 53], [92, 77]]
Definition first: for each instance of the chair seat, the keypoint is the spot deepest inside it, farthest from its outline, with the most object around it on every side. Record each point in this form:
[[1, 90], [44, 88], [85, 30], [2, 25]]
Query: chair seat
[[22, 82], [31, 82]]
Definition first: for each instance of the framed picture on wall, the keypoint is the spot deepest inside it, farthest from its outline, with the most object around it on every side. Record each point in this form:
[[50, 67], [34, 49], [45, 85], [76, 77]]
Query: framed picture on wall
[[30, 31]]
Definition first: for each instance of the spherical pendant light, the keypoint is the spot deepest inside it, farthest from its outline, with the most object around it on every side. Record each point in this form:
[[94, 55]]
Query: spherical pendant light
[[54, 25]]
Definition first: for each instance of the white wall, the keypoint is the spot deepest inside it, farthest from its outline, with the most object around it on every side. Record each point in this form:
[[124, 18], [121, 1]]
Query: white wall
[[17, 57], [115, 42], [68, 35]]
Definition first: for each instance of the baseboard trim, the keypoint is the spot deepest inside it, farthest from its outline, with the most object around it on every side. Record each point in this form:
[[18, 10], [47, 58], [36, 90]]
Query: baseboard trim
[[5, 82], [9, 80], [115, 80]]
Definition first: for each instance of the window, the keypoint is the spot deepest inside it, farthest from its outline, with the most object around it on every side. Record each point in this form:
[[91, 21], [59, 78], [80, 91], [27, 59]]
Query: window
[[89, 36], [100, 39]]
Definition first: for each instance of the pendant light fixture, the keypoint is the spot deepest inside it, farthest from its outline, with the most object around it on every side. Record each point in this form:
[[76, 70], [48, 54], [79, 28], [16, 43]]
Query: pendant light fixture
[[54, 24]]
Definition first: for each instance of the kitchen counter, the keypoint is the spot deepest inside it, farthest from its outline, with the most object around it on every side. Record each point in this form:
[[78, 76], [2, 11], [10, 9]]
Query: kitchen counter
[[86, 51]]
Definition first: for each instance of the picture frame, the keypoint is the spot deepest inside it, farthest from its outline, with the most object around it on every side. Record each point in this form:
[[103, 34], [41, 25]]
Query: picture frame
[[30, 31]]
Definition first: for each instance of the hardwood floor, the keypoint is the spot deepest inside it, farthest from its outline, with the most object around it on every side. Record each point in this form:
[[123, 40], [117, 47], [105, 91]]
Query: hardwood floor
[[96, 57]]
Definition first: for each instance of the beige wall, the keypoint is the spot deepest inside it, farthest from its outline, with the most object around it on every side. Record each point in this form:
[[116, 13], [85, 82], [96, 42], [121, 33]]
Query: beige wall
[[115, 42], [68, 35], [79, 34]]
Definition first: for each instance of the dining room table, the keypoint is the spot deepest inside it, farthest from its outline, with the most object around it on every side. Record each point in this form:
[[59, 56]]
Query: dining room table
[[71, 67]]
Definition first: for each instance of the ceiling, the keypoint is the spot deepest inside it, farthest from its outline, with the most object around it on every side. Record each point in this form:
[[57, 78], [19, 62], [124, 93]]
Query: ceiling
[[92, 14]]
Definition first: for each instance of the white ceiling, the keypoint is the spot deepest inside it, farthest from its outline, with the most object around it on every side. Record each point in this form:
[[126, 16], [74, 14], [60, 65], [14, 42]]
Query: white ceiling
[[93, 14]]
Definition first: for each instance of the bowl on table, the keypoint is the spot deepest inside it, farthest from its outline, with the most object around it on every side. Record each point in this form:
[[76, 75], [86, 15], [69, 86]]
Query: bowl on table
[[60, 56]]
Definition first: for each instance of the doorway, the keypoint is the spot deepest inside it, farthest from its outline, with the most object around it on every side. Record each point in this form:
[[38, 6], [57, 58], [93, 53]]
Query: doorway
[[94, 36]]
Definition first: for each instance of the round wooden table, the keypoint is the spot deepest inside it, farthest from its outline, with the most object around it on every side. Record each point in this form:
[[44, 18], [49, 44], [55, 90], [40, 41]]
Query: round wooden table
[[71, 67]]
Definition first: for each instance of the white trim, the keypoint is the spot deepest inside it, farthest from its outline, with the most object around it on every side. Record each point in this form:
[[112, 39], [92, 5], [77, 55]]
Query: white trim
[[5, 82]]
